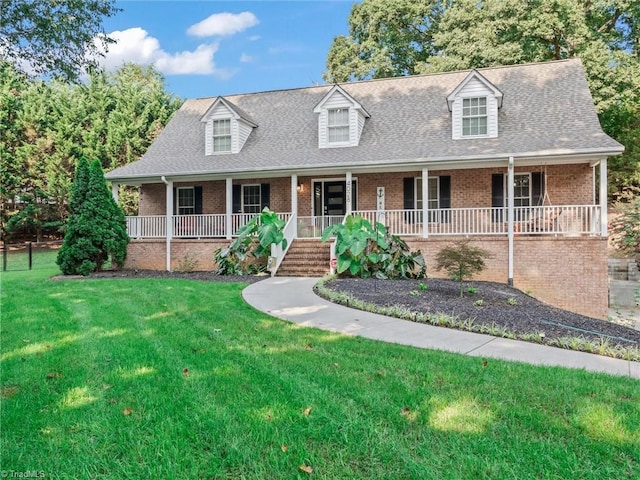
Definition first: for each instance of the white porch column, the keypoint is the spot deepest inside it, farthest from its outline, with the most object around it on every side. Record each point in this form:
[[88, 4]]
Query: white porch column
[[294, 203], [425, 203], [510, 215], [348, 193], [603, 197], [229, 208], [169, 219], [115, 187]]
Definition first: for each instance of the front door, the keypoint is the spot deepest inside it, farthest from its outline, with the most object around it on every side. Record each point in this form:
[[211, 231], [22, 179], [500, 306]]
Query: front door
[[330, 198], [334, 198]]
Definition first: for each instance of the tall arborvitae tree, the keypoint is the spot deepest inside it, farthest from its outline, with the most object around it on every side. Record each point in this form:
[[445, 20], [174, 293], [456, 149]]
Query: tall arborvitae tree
[[96, 230], [109, 227], [76, 254]]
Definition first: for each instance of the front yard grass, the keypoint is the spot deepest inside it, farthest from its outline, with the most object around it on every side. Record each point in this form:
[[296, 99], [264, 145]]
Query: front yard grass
[[168, 378]]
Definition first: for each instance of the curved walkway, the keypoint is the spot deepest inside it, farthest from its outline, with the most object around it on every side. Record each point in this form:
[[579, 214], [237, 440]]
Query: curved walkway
[[292, 299]]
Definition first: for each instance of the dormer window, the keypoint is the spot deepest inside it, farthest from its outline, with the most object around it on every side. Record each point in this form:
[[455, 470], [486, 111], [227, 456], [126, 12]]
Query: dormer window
[[341, 119], [474, 116], [474, 105], [338, 125], [227, 128], [222, 135]]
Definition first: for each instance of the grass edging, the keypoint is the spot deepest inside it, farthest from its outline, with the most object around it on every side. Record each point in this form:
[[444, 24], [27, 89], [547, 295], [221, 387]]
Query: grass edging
[[441, 319]]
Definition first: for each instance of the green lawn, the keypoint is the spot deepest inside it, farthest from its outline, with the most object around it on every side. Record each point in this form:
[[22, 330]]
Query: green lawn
[[162, 378]]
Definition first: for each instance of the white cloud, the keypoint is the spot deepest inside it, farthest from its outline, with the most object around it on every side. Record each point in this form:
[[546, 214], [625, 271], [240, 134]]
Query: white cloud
[[137, 46], [253, 38], [244, 58], [223, 24]]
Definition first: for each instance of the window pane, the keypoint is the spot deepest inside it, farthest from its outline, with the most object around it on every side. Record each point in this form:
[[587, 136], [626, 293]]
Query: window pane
[[222, 135], [186, 201], [338, 134], [222, 127], [474, 116], [338, 117], [251, 198], [222, 144]]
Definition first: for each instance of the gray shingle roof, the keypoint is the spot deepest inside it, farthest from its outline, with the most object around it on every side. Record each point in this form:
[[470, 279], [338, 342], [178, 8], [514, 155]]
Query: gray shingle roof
[[547, 109]]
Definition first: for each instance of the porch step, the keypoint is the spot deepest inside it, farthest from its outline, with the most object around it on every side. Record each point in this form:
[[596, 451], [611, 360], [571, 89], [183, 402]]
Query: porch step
[[307, 257]]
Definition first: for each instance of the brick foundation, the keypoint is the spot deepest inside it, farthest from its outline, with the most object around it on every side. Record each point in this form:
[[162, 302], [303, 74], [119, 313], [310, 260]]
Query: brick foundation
[[569, 273], [185, 254]]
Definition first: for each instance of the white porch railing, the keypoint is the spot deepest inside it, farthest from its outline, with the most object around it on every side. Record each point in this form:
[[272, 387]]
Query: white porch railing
[[199, 226], [277, 252], [547, 220], [312, 227], [189, 226], [152, 226]]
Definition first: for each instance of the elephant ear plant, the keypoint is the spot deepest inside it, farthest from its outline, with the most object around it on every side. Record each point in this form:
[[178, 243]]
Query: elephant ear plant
[[364, 250], [246, 255]]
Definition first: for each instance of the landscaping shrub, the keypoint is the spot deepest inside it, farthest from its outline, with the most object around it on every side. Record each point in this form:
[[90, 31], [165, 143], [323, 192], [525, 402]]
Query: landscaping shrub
[[624, 229], [96, 229], [461, 261]]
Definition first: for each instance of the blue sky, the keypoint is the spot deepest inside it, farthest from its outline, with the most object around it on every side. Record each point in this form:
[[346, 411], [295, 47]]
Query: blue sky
[[207, 48]]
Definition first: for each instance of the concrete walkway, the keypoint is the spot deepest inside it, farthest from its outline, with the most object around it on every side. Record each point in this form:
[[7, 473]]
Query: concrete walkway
[[292, 299]]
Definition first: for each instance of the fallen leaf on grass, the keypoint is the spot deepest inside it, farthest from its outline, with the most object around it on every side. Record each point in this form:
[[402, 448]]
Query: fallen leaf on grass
[[127, 411], [405, 411], [284, 448], [306, 468], [485, 363], [185, 372], [51, 375], [309, 346], [307, 411]]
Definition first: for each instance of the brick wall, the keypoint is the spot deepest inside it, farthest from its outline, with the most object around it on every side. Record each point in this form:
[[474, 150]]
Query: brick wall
[[567, 185], [569, 273], [151, 254]]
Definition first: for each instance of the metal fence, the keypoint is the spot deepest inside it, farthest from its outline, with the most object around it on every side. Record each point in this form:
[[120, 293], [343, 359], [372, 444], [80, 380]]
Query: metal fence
[[29, 256]]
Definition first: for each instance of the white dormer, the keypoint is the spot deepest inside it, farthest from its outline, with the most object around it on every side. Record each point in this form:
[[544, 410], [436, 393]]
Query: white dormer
[[341, 119], [474, 106], [227, 128]]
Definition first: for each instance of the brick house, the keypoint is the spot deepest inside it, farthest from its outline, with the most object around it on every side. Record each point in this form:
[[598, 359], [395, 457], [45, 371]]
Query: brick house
[[511, 157]]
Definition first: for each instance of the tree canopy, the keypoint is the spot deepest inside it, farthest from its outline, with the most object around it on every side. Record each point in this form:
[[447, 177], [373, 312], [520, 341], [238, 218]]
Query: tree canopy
[[402, 37], [61, 38], [113, 117]]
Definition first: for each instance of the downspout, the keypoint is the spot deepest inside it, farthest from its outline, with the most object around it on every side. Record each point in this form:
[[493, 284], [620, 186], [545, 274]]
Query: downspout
[[169, 219], [510, 215]]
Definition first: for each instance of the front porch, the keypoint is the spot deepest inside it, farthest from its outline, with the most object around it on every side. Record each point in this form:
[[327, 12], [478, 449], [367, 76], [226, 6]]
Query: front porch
[[561, 220]]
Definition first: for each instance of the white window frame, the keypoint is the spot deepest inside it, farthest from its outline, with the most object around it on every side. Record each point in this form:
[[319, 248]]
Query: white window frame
[[220, 135], [434, 203], [475, 113], [517, 200], [180, 208], [338, 126], [246, 205]]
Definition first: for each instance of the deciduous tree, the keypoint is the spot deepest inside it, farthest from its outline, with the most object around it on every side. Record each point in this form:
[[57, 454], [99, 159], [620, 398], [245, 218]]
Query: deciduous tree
[[57, 37]]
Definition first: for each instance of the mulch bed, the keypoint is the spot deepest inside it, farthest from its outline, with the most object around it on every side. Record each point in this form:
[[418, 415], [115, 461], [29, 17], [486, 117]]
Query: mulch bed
[[521, 315]]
